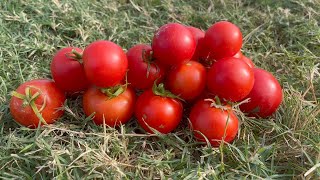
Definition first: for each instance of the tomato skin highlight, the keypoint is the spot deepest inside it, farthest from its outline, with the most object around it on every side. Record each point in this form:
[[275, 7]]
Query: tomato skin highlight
[[105, 63], [187, 80], [115, 111], [265, 96], [50, 94], [223, 39], [140, 76], [238, 55], [230, 79], [68, 73], [213, 123], [198, 36], [173, 44], [160, 113]]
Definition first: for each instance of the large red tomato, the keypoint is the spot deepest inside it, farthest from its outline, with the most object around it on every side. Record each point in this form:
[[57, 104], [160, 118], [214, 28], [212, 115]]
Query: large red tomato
[[265, 96], [216, 124], [105, 63], [37, 101], [230, 79], [198, 36], [223, 39], [113, 110], [67, 70], [173, 44], [158, 112], [143, 71], [187, 80]]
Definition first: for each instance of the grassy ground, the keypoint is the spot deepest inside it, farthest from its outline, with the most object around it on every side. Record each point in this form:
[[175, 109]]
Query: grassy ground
[[280, 36]]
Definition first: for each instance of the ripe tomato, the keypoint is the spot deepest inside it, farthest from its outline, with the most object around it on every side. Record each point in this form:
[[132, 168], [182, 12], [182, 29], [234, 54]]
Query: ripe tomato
[[105, 63], [214, 123], [113, 110], [198, 35], [160, 113], [265, 96], [187, 80], [230, 79], [28, 109], [173, 44], [223, 39], [142, 71], [239, 55], [68, 72]]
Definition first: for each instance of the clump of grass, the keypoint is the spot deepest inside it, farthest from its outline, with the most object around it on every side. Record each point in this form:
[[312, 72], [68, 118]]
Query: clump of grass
[[280, 37]]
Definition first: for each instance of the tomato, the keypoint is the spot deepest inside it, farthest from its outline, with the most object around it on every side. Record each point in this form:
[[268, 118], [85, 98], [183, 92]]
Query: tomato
[[247, 60], [214, 123], [265, 96], [223, 39], [187, 80], [230, 79], [105, 63], [67, 70], [160, 113], [173, 44], [28, 110], [198, 35], [113, 110], [142, 70]]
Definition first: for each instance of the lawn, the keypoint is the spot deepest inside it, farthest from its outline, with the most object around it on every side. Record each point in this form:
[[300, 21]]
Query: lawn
[[282, 37]]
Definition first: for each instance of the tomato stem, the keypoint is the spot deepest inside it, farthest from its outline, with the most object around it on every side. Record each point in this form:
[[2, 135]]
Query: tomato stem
[[29, 100], [113, 92], [216, 103], [160, 90], [147, 56], [75, 55], [37, 112]]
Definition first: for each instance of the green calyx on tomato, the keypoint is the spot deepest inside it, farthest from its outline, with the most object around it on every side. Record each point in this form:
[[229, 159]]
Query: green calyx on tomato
[[75, 56], [216, 103], [160, 90], [29, 100], [114, 91]]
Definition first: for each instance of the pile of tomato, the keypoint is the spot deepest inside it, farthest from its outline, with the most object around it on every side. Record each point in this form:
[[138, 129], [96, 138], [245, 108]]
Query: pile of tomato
[[185, 71]]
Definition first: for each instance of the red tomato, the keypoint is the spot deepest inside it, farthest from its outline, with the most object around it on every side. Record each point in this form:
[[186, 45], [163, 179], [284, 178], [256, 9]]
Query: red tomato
[[105, 63], [173, 44], [223, 39], [198, 35], [214, 123], [50, 99], [239, 55], [68, 72], [114, 110], [265, 96], [160, 113], [230, 79], [142, 71], [187, 80]]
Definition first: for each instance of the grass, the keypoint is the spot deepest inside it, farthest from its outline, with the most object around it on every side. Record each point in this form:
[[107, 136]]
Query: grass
[[280, 36]]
